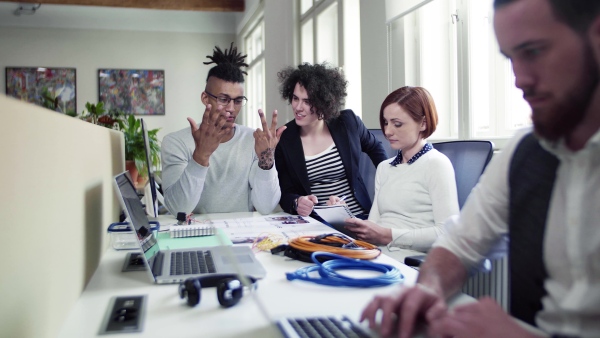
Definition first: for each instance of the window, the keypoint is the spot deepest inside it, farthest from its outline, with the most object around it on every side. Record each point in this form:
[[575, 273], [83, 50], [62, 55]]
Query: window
[[456, 58], [319, 32], [427, 39], [307, 48], [327, 37], [497, 106], [329, 30], [254, 47]]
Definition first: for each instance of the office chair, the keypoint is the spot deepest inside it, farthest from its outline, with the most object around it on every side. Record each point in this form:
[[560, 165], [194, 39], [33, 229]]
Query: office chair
[[469, 159], [367, 169]]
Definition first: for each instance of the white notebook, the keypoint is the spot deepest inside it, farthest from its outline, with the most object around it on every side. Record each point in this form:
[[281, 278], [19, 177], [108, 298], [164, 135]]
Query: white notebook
[[336, 216]]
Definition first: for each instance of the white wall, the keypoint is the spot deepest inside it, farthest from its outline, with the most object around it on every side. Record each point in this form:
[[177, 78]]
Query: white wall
[[177, 42], [180, 55]]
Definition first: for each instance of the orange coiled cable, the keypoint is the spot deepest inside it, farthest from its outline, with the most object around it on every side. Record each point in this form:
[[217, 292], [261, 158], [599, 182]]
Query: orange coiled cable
[[354, 248]]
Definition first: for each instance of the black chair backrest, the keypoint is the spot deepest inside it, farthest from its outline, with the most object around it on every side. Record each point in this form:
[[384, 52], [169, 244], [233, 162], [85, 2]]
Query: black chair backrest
[[366, 167], [469, 159]]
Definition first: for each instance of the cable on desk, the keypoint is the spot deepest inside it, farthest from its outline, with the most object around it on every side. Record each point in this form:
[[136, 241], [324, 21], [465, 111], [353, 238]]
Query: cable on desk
[[332, 262], [267, 241], [189, 219], [338, 244]]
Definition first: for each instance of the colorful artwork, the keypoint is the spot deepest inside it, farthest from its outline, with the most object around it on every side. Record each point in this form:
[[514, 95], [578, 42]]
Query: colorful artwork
[[53, 88], [132, 91]]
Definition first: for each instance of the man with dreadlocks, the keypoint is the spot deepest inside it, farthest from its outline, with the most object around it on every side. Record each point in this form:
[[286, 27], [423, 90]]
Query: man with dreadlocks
[[219, 166]]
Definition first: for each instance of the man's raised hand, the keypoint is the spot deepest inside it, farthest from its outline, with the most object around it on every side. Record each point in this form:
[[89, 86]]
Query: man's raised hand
[[208, 135], [266, 139]]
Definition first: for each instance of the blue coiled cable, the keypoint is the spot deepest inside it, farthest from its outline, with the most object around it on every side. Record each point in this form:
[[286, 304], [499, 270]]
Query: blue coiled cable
[[329, 276]]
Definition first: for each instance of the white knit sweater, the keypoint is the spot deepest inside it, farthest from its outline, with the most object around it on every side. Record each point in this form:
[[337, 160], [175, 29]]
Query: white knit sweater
[[414, 200], [232, 182]]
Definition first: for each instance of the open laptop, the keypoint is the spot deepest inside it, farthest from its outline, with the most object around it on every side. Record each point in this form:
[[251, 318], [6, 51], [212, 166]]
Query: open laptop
[[174, 266]]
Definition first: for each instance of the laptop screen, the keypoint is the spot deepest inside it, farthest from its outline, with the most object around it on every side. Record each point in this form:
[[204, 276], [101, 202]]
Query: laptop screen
[[136, 215], [150, 169]]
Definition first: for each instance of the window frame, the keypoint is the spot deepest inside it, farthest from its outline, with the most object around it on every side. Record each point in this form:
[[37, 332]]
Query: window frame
[[257, 22], [318, 7], [462, 91], [346, 12]]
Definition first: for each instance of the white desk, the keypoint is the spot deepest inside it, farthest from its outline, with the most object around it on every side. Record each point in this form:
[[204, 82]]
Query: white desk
[[168, 316]]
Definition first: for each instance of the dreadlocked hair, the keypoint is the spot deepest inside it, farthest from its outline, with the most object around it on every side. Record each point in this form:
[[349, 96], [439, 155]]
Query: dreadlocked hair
[[325, 86], [228, 65]]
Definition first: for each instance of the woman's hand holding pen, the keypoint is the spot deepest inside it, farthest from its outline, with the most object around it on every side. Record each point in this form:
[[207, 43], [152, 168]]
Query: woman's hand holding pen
[[333, 200], [305, 204]]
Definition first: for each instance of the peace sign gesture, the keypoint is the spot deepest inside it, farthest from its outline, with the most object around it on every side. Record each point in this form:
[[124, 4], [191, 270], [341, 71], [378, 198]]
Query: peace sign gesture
[[266, 139]]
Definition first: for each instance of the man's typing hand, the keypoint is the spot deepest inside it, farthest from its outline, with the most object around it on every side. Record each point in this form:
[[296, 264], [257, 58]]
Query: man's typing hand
[[265, 141], [208, 135], [401, 309], [481, 319]]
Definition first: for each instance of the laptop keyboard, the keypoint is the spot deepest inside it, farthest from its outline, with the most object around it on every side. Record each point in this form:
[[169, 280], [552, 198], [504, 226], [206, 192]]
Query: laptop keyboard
[[192, 262], [317, 327]]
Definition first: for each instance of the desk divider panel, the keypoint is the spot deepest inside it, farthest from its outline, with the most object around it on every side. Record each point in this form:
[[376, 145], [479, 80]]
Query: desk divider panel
[[57, 200]]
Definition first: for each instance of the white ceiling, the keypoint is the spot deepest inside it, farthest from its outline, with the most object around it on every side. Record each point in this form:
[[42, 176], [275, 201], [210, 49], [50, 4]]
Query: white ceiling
[[91, 17]]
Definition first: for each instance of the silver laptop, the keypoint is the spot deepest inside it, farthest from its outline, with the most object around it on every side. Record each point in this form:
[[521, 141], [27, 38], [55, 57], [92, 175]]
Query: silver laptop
[[174, 266]]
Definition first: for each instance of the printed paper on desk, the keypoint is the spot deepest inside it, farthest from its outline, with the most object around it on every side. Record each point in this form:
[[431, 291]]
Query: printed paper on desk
[[248, 229]]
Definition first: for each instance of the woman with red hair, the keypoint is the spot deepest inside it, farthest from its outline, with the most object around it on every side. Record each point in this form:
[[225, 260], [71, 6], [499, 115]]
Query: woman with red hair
[[415, 192]]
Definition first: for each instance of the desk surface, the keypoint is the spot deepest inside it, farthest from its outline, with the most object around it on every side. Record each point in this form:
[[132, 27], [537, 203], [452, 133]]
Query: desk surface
[[168, 316]]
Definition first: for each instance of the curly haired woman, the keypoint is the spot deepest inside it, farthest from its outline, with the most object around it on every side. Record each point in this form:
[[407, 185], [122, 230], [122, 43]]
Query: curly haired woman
[[317, 156]]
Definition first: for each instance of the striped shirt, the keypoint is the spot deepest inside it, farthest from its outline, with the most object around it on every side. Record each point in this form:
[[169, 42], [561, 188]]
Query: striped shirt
[[327, 177]]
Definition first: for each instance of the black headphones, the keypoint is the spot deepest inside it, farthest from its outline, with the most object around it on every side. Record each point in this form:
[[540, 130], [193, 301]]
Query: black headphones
[[230, 288]]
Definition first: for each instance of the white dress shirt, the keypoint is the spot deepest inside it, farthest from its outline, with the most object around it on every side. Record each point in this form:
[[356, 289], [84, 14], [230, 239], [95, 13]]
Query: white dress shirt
[[571, 241]]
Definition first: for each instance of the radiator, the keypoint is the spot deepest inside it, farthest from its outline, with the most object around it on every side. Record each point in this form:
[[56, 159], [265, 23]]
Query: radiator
[[493, 284]]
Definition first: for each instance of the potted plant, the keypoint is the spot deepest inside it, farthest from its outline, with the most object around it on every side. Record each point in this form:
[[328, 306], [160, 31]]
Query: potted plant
[[135, 154], [96, 114]]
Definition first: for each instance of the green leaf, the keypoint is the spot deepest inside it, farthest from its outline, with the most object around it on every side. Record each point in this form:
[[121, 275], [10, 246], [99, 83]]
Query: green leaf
[[134, 144]]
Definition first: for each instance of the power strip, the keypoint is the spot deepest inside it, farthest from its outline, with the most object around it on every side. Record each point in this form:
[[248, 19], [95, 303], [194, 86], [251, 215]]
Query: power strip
[[125, 314]]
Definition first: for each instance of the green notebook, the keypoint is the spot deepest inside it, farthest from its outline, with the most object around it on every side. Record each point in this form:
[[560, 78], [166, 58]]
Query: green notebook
[[167, 243]]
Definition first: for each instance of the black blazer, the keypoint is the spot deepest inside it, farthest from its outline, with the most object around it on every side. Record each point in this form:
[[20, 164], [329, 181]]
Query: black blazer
[[351, 138]]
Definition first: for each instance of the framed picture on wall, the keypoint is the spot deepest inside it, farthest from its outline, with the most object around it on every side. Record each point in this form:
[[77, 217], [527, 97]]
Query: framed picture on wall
[[132, 91], [53, 88]]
